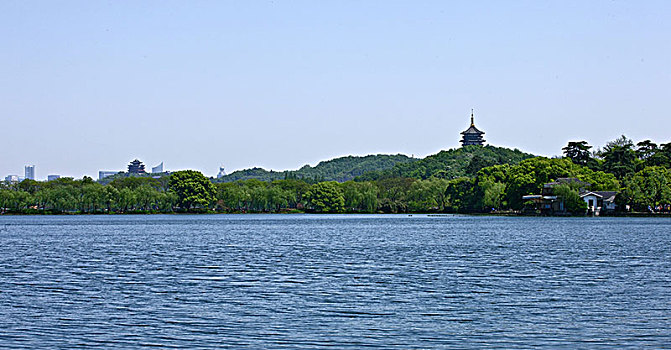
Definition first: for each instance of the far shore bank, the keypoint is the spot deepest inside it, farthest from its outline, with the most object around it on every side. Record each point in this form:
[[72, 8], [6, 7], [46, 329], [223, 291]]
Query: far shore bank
[[431, 214]]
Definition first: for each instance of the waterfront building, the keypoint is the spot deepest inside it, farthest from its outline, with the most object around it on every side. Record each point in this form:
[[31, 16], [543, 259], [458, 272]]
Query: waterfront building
[[472, 136], [599, 202], [157, 169], [53, 177], [221, 173], [136, 167], [30, 172], [104, 173], [548, 203]]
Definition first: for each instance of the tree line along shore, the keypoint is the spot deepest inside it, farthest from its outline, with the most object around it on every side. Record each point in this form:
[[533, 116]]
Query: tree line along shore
[[469, 179]]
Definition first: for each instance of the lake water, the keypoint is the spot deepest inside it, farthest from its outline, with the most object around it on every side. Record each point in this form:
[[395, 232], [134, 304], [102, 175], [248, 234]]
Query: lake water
[[310, 281]]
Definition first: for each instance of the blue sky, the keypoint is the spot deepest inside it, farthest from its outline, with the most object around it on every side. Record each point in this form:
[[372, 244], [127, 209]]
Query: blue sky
[[90, 85]]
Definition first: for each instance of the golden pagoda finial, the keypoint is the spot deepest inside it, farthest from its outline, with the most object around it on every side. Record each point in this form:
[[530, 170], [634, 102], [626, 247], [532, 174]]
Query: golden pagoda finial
[[472, 123]]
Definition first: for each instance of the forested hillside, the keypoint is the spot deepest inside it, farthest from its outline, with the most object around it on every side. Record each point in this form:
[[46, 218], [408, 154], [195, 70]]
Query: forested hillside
[[640, 173], [339, 169], [453, 163]]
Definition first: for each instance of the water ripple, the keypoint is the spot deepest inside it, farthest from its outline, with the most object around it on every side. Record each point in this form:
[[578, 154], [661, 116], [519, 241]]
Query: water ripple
[[305, 282]]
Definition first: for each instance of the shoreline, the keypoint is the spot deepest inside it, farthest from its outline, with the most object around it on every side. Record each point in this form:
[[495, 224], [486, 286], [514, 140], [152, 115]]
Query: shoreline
[[503, 214]]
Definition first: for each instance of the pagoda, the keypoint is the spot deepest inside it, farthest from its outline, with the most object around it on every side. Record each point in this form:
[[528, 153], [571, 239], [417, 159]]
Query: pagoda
[[472, 136], [136, 167]]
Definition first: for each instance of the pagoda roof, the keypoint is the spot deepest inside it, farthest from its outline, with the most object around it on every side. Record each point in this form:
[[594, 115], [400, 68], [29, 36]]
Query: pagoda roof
[[472, 130]]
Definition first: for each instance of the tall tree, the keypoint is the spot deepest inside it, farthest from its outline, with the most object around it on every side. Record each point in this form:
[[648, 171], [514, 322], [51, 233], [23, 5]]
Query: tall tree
[[571, 197], [646, 149], [619, 157], [578, 152], [459, 194], [648, 188], [652, 155], [327, 197], [192, 188]]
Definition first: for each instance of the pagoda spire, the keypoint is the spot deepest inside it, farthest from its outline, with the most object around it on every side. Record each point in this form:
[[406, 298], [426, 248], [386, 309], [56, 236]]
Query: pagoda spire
[[472, 122]]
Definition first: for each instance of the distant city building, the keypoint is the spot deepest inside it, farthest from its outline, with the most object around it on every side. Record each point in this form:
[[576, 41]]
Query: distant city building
[[53, 177], [12, 178], [157, 169], [104, 173], [30, 172], [221, 173], [472, 136], [136, 167]]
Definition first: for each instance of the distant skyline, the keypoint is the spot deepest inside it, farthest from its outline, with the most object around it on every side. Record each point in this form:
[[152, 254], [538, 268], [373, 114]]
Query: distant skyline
[[91, 85]]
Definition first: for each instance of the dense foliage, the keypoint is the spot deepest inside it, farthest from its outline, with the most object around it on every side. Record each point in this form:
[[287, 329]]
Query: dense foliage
[[338, 169], [65, 195], [451, 164], [192, 189], [472, 179], [122, 175]]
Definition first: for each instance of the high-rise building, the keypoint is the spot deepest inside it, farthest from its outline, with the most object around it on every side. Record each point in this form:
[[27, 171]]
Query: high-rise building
[[12, 178], [53, 177], [221, 173], [157, 169], [472, 136], [104, 173], [30, 172], [136, 167]]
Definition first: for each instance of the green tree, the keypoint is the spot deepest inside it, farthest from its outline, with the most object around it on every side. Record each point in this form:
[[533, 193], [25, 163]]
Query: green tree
[[578, 152], [192, 188], [663, 156], [648, 187], [571, 198], [111, 198], [277, 198], [296, 190], [652, 155], [126, 200], [360, 196], [6, 200], [599, 180], [93, 197], [393, 194], [326, 197], [529, 176], [493, 194], [146, 197], [478, 162], [646, 149], [451, 164], [29, 185], [619, 157], [459, 195], [490, 187], [427, 195]]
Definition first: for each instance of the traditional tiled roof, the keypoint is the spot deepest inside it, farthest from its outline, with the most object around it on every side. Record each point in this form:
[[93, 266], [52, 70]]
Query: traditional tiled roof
[[472, 136], [472, 130], [606, 195]]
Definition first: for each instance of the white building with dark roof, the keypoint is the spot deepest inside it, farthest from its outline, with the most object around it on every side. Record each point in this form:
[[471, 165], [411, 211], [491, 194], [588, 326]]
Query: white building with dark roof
[[599, 202]]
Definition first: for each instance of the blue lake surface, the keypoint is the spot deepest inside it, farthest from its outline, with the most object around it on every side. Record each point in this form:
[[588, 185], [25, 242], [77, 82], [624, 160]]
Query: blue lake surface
[[334, 281]]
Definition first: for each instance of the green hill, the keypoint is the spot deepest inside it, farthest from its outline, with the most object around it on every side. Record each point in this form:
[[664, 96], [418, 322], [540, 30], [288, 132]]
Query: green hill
[[453, 163], [339, 169]]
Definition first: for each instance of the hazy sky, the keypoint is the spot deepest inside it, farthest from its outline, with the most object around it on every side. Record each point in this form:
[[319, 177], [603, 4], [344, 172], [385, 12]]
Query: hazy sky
[[91, 85]]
